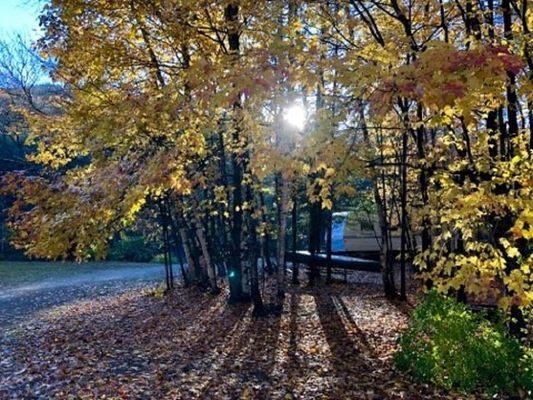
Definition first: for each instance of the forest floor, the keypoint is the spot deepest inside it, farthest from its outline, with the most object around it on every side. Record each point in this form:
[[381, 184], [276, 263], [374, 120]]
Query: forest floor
[[330, 342]]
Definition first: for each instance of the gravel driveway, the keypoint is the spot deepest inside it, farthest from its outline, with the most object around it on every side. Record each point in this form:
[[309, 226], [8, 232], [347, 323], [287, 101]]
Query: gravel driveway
[[29, 288]]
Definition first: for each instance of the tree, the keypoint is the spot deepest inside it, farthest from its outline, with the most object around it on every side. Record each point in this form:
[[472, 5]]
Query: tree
[[183, 102]]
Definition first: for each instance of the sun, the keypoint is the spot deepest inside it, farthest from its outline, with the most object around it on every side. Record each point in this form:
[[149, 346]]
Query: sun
[[295, 116]]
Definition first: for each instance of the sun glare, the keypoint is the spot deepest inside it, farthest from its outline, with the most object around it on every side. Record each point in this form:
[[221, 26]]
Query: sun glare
[[295, 116]]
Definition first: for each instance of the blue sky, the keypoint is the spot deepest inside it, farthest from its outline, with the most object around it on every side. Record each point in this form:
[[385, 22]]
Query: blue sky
[[19, 16]]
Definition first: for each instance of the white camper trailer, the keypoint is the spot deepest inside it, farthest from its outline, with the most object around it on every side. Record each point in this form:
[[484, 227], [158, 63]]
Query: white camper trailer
[[352, 234]]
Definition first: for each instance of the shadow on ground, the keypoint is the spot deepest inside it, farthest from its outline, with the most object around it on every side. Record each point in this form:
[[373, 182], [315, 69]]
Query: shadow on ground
[[329, 343]]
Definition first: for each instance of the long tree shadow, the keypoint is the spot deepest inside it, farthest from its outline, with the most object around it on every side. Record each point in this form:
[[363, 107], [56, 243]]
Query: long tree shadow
[[359, 369], [249, 362], [358, 332], [293, 331], [134, 340], [343, 346], [356, 369], [217, 335], [193, 345], [295, 366]]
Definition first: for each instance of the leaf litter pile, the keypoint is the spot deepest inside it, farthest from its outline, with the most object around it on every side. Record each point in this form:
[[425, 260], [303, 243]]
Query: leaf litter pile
[[330, 342]]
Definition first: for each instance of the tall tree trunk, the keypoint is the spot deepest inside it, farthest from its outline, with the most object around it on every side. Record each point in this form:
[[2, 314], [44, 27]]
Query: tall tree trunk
[[315, 219], [188, 255], [423, 179], [328, 245], [265, 240], [295, 265], [387, 272], [254, 251], [403, 295], [174, 233], [211, 273], [282, 232], [225, 249], [518, 322], [165, 257], [235, 271], [512, 99], [166, 249], [493, 119]]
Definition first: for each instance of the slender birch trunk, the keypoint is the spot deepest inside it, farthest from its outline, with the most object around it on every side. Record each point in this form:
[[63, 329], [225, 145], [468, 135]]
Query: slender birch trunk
[[282, 234], [211, 274]]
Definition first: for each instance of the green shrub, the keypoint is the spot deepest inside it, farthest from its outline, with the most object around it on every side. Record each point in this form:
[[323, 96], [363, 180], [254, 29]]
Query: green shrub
[[454, 347], [158, 258], [132, 248], [526, 371]]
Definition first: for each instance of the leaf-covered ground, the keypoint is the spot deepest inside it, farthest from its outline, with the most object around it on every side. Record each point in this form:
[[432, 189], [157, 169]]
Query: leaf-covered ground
[[331, 342]]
